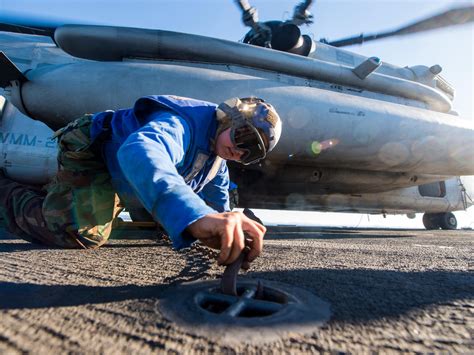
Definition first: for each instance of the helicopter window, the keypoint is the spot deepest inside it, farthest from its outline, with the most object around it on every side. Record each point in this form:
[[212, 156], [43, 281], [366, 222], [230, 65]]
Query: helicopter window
[[435, 189]]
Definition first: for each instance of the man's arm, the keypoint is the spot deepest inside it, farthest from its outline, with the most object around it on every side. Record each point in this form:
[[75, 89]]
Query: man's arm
[[148, 160]]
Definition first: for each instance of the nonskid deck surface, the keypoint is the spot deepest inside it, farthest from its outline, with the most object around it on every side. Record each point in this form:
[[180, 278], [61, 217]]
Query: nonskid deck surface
[[402, 290]]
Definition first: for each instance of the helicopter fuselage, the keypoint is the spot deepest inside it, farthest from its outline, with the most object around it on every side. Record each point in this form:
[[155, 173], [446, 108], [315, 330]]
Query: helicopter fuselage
[[344, 147]]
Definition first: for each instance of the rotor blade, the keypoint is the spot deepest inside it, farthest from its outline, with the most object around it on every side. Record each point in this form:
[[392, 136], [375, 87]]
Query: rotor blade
[[37, 30], [301, 14], [9, 71], [453, 17], [305, 5], [243, 4]]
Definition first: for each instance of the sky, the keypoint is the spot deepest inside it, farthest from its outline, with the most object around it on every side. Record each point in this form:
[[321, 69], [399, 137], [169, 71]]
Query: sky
[[452, 48]]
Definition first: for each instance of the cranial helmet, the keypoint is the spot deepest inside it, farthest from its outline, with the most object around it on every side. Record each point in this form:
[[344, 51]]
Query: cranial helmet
[[255, 126]]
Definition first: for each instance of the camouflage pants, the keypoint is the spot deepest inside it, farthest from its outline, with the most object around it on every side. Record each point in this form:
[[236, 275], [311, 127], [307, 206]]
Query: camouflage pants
[[77, 208]]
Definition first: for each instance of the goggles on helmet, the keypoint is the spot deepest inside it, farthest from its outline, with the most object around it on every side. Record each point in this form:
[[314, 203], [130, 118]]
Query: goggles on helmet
[[246, 138], [248, 127]]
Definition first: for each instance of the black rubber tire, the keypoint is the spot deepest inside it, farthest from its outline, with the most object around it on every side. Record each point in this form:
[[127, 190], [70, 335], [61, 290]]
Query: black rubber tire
[[430, 221], [447, 221]]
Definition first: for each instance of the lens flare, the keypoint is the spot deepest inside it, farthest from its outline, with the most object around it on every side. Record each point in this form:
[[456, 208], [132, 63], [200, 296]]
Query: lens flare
[[318, 147]]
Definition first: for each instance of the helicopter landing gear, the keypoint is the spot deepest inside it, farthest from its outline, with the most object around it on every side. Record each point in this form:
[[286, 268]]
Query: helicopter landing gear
[[446, 221], [430, 221]]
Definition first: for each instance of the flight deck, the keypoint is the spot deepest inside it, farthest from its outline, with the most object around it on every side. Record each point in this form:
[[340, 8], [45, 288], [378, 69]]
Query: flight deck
[[387, 290]]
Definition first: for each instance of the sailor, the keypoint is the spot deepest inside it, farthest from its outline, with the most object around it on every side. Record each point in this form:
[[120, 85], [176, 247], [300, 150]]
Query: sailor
[[166, 153]]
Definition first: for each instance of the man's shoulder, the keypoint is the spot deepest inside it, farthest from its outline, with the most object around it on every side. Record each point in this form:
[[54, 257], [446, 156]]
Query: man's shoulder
[[171, 119], [185, 107], [172, 102], [182, 101]]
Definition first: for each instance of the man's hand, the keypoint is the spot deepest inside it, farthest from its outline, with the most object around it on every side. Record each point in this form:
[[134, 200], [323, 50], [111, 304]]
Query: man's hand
[[225, 231]]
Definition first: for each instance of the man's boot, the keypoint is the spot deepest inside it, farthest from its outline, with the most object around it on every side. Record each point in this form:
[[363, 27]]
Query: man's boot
[[20, 205]]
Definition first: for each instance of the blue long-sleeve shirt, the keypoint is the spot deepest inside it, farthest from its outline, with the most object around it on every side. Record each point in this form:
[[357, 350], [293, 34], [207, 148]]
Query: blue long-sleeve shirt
[[164, 164]]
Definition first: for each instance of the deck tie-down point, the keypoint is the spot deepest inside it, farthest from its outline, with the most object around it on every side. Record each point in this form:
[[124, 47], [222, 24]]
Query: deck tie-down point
[[254, 301]]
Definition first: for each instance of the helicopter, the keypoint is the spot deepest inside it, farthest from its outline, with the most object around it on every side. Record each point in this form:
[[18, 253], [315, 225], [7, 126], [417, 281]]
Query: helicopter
[[360, 135]]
